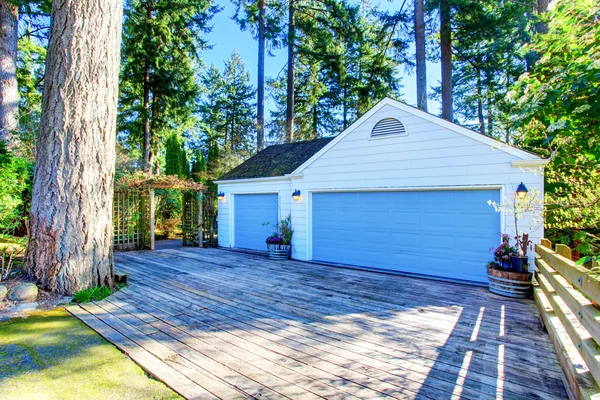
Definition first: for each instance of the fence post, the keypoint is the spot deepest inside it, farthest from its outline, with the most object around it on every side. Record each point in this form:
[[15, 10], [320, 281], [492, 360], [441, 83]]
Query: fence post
[[151, 219], [564, 251], [200, 217]]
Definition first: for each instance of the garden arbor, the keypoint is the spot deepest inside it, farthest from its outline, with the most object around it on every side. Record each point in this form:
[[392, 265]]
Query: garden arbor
[[134, 211]]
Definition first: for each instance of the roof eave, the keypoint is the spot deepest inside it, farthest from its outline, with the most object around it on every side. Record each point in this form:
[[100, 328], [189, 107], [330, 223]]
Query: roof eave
[[260, 179]]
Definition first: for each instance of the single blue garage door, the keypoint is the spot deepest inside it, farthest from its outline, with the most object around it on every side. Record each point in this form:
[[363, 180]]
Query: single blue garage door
[[252, 212], [445, 234]]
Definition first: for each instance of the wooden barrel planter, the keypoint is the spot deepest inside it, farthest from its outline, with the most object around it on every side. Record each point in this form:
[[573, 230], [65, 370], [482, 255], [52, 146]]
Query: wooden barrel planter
[[280, 251], [509, 284]]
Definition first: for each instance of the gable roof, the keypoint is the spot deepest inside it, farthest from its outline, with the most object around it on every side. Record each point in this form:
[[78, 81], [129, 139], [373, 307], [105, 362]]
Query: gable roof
[[276, 160], [496, 144]]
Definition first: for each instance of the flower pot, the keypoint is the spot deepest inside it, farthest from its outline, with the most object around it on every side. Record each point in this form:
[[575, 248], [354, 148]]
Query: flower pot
[[509, 284], [279, 251], [519, 263], [506, 264]]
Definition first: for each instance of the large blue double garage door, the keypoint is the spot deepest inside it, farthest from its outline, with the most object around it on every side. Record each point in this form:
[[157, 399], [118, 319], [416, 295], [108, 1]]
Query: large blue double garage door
[[446, 234]]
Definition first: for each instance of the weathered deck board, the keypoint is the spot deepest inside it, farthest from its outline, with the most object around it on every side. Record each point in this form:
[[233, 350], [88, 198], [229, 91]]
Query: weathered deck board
[[215, 323]]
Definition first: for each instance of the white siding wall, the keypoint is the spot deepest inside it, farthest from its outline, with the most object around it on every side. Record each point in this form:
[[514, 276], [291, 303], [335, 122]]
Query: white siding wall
[[430, 156]]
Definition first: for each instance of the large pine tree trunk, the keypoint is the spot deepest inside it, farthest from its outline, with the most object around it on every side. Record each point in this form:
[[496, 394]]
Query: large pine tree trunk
[[9, 95], [260, 92], [70, 246], [289, 124], [420, 55], [446, 55]]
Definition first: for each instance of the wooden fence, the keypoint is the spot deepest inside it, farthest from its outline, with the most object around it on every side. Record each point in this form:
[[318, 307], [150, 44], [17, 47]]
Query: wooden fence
[[568, 296]]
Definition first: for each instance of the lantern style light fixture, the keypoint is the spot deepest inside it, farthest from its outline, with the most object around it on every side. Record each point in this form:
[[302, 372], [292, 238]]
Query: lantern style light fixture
[[296, 195], [521, 191], [221, 196]]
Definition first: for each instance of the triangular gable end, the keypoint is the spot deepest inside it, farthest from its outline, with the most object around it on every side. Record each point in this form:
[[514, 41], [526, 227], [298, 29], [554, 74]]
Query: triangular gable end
[[521, 154]]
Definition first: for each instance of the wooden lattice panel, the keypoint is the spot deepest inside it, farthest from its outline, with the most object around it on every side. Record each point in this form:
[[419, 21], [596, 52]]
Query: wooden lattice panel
[[131, 220], [191, 219], [209, 214]]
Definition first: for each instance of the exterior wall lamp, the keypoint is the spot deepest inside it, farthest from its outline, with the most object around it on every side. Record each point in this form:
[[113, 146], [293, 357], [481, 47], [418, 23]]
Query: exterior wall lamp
[[521, 191], [221, 196], [296, 195]]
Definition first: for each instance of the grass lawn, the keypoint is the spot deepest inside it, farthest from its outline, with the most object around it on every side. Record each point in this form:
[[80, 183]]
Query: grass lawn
[[52, 355]]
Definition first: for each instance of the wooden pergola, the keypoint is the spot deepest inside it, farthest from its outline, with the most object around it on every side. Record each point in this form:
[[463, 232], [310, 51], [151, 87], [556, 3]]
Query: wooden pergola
[[134, 210]]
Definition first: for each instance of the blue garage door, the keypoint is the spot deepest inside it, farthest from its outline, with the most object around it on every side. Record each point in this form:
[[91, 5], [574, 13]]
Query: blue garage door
[[445, 234], [251, 213]]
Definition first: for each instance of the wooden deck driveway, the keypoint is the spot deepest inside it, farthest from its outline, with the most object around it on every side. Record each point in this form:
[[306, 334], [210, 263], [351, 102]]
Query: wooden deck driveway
[[214, 323]]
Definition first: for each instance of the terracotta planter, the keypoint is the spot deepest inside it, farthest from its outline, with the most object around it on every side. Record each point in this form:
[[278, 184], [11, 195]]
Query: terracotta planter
[[509, 284], [279, 251]]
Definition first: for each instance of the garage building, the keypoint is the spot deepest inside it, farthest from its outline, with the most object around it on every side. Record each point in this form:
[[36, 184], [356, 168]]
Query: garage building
[[400, 190]]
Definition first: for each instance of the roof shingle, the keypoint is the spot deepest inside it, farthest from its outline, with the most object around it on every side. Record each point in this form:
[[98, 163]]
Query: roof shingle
[[276, 160]]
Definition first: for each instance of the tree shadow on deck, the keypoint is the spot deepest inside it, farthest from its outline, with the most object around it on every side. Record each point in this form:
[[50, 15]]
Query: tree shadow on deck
[[361, 332]]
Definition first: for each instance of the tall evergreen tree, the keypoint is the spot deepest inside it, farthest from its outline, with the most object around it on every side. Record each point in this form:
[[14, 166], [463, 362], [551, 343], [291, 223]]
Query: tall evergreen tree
[[347, 60], [446, 58], [488, 37], [161, 43], [176, 161], [238, 110], [264, 22], [419, 18]]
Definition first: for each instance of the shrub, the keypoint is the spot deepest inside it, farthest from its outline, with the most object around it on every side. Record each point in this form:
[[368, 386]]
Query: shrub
[[15, 184], [284, 232]]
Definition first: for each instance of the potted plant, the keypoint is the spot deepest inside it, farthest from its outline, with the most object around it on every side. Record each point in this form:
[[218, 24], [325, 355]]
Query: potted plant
[[279, 243], [515, 281], [520, 260], [503, 254]]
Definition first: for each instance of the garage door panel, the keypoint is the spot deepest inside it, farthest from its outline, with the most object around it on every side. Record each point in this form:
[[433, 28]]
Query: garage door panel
[[441, 233], [255, 217]]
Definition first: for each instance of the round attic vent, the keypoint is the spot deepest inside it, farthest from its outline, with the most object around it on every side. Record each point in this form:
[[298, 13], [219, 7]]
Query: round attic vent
[[387, 127]]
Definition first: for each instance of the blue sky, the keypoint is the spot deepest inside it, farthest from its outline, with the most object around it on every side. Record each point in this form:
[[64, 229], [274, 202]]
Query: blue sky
[[227, 37]]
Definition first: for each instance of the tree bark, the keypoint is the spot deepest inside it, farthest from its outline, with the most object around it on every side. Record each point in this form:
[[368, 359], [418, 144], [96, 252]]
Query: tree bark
[[480, 105], [260, 92], [289, 124], [9, 95], [420, 55], [490, 105], [70, 245], [446, 55], [541, 7], [147, 164]]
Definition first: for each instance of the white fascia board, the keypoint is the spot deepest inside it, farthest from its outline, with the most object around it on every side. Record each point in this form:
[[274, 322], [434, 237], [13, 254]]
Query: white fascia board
[[542, 162], [264, 179]]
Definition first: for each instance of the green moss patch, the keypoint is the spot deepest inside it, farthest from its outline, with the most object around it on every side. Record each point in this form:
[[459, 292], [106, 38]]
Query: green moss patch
[[53, 355]]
